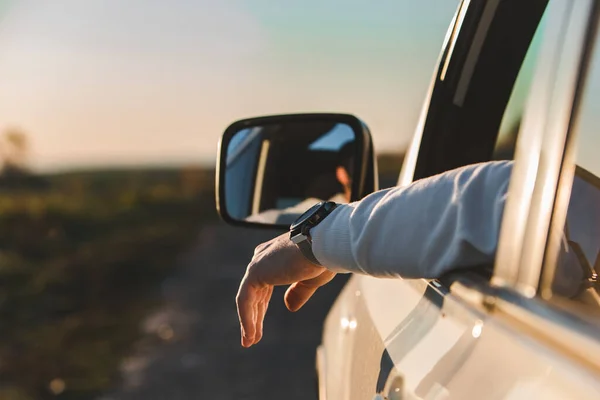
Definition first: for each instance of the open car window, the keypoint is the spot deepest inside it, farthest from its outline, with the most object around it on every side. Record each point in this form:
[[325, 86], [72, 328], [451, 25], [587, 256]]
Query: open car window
[[515, 108]]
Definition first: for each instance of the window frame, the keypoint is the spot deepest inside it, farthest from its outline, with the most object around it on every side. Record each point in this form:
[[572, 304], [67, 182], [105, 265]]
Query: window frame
[[568, 162], [429, 153], [540, 146], [471, 85], [523, 302]]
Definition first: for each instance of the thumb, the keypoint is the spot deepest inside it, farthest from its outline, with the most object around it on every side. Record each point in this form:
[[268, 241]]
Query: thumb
[[298, 293]]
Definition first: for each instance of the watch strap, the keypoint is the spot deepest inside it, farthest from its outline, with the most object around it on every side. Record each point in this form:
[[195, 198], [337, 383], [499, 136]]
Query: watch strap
[[305, 247], [300, 230]]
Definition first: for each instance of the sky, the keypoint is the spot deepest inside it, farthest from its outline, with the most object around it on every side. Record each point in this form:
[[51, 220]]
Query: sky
[[113, 82]]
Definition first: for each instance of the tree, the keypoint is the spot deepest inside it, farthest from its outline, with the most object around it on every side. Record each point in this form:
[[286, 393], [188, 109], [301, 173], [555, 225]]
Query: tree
[[14, 150]]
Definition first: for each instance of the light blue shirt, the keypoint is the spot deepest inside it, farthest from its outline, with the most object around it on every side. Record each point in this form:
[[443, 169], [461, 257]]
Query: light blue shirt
[[447, 222], [423, 230]]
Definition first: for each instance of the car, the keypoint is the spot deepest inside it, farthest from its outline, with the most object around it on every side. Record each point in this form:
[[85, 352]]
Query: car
[[515, 80]]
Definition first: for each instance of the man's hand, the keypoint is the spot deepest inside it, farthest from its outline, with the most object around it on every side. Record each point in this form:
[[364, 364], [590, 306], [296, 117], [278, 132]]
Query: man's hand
[[276, 262]]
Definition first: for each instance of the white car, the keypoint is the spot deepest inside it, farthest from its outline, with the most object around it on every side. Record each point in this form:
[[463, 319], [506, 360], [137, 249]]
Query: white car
[[515, 80]]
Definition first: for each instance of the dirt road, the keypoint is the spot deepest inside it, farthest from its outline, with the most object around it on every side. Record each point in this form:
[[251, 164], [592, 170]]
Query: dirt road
[[191, 347]]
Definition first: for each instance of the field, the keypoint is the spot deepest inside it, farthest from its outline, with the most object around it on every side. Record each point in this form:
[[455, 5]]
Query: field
[[81, 259], [120, 284]]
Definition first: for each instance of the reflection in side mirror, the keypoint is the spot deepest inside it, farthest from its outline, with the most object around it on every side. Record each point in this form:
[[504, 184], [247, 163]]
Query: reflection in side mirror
[[272, 169]]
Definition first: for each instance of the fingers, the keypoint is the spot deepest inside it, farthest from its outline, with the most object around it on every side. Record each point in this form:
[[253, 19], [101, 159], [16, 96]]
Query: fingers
[[300, 292], [263, 305], [246, 307], [297, 295], [252, 305], [277, 262]]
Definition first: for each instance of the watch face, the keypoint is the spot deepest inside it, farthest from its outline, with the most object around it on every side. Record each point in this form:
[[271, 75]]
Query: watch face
[[309, 213]]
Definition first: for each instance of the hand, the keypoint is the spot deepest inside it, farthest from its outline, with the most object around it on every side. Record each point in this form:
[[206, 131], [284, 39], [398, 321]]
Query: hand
[[276, 262]]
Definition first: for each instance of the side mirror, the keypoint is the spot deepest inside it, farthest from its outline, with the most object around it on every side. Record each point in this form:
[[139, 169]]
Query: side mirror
[[272, 169]]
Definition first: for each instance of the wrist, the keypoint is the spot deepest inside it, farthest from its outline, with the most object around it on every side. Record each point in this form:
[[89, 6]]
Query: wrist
[[301, 228], [331, 241]]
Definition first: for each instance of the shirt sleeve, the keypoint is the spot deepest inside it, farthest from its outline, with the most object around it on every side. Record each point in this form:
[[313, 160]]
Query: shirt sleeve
[[423, 230]]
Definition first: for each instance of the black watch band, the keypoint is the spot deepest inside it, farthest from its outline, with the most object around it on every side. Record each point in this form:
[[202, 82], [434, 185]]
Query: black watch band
[[306, 249], [300, 230]]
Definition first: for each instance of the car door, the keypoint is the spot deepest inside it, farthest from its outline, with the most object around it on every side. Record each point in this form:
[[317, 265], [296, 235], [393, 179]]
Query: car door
[[416, 339]]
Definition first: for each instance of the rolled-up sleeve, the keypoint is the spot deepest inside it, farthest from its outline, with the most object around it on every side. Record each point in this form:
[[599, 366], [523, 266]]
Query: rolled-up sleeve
[[423, 230]]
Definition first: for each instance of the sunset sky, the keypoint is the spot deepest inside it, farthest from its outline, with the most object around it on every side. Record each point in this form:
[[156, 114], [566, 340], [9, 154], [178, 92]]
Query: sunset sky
[[112, 82]]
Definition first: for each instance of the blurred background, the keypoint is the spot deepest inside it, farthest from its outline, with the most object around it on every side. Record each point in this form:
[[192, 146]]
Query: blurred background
[[117, 280]]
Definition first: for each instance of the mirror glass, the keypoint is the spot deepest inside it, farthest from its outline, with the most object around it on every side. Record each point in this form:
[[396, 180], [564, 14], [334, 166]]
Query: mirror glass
[[275, 172]]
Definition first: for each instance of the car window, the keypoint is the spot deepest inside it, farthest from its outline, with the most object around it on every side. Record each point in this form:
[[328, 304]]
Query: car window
[[578, 261], [511, 120]]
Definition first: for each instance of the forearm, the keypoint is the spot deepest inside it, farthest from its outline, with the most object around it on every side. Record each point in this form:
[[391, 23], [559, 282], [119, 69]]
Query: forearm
[[420, 231]]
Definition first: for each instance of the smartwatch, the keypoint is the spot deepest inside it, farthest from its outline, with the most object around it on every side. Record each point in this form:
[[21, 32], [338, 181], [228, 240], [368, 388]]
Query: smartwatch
[[300, 229]]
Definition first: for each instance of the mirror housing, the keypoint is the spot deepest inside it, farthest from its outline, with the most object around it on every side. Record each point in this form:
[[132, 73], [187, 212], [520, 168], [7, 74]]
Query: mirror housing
[[271, 169]]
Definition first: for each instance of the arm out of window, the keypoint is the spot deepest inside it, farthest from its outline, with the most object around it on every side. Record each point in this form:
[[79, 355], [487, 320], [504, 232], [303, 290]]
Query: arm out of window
[[423, 230]]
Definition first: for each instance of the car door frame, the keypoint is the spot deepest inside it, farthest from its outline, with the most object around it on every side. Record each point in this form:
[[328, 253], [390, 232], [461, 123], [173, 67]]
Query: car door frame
[[538, 154], [522, 279]]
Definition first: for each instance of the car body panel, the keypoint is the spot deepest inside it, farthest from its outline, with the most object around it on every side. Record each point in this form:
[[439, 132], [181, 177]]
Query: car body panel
[[438, 346]]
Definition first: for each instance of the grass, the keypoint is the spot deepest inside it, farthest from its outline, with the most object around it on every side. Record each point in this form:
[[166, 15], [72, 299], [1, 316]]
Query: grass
[[82, 258], [81, 262]]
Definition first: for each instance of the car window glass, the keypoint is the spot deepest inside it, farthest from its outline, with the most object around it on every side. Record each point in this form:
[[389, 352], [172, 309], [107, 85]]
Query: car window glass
[[511, 120], [578, 264]]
